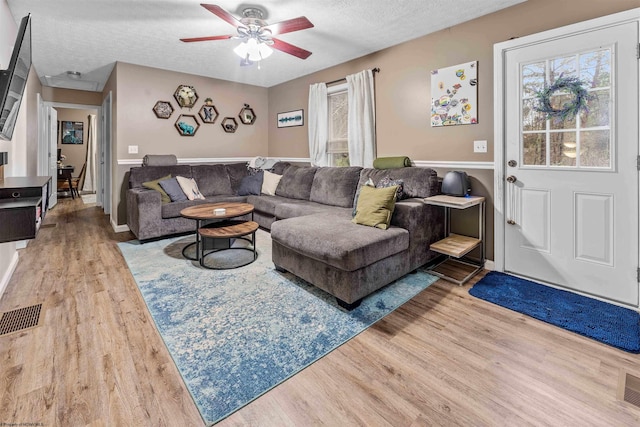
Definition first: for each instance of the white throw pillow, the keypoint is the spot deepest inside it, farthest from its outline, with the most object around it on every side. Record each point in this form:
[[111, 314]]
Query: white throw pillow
[[270, 183], [190, 188]]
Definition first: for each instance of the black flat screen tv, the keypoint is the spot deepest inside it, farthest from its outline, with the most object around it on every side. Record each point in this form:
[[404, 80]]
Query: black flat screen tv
[[14, 79]]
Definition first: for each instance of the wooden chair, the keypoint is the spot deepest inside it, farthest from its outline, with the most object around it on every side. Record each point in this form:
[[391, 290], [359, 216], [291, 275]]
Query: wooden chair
[[68, 183]]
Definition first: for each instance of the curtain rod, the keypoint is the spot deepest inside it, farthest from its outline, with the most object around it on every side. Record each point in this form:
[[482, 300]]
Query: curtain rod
[[373, 70]]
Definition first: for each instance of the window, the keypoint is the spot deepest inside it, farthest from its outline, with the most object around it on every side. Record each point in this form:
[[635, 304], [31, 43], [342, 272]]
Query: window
[[580, 142], [337, 146]]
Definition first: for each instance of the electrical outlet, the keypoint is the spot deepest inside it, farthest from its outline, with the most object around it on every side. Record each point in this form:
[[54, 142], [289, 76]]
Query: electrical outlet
[[479, 146], [133, 149]]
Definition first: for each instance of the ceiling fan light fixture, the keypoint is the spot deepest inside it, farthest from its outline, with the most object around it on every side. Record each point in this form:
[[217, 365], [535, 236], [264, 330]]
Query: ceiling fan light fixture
[[253, 50], [76, 75]]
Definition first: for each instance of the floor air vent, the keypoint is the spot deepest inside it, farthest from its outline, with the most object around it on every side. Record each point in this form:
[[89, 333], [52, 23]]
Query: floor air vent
[[20, 319], [629, 389], [48, 225]]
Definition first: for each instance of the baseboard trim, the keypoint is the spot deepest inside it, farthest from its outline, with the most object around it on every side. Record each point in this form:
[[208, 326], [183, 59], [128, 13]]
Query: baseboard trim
[[119, 228], [489, 265], [9, 273]]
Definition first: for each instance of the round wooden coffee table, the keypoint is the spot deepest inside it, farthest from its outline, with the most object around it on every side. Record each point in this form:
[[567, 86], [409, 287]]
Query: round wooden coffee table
[[206, 212], [229, 229]]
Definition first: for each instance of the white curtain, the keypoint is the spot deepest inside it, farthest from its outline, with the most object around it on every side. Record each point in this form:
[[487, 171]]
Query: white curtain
[[89, 184], [362, 119], [318, 124]]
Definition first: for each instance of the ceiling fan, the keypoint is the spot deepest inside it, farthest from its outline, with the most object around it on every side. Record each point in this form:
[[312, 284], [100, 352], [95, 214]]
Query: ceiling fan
[[256, 34]]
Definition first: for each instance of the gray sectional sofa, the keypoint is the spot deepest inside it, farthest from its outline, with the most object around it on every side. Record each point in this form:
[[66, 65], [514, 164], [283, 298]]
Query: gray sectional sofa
[[310, 220]]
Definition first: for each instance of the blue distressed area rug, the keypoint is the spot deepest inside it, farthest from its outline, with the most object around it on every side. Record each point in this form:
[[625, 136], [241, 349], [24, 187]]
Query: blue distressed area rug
[[235, 334], [607, 323]]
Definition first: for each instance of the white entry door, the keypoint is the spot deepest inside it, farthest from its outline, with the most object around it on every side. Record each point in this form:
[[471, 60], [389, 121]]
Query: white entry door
[[571, 195]]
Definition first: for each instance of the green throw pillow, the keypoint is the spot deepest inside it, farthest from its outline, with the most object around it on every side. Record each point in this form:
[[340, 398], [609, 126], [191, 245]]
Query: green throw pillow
[[375, 206], [155, 185]]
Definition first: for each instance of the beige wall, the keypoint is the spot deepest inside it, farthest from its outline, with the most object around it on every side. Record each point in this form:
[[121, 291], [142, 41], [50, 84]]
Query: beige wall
[[403, 93], [139, 88], [23, 147], [76, 153], [70, 96], [8, 29]]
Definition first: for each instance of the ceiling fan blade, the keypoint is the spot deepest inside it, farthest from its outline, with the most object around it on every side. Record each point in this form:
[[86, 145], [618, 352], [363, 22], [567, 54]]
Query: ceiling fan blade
[[290, 25], [222, 14], [290, 49], [204, 39]]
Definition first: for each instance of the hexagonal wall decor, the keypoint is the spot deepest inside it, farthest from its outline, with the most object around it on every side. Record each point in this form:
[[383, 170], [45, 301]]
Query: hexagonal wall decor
[[246, 115], [186, 96], [187, 124], [229, 124], [163, 109], [208, 113]]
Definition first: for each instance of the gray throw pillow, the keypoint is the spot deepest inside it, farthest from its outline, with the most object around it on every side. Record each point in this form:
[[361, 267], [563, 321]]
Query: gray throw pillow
[[173, 189], [389, 182], [251, 184]]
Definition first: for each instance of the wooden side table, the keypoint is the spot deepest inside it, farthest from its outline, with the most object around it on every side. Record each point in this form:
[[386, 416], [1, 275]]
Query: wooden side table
[[456, 246]]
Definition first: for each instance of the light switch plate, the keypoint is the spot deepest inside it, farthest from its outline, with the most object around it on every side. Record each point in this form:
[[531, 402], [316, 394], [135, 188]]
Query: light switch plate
[[133, 149], [479, 146]]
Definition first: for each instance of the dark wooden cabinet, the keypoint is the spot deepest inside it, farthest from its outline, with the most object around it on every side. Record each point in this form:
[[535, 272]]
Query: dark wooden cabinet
[[23, 206]]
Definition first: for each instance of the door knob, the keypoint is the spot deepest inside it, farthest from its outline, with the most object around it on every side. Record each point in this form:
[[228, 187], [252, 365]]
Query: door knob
[[511, 179]]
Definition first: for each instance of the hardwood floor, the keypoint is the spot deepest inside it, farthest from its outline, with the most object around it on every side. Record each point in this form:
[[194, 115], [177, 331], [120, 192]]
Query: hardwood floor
[[444, 358]]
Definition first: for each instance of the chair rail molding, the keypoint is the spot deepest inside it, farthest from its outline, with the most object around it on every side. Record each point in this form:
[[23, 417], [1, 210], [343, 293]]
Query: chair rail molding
[[190, 161], [454, 164]]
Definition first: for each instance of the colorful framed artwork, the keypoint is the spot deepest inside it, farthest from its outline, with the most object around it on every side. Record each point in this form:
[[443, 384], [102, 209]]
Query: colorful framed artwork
[[291, 118], [454, 95], [71, 132]]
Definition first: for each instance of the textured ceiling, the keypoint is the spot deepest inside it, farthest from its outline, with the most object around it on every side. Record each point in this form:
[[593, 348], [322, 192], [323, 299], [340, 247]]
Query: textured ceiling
[[89, 36]]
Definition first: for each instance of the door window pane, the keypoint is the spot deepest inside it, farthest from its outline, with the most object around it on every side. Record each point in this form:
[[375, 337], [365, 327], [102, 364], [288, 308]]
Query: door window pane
[[560, 100], [533, 78], [597, 112], [596, 147], [565, 67], [595, 67], [535, 149], [563, 149], [532, 119]]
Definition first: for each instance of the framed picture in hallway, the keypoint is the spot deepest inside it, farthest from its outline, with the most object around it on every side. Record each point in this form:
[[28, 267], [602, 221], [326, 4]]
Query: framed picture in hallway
[[71, 132]]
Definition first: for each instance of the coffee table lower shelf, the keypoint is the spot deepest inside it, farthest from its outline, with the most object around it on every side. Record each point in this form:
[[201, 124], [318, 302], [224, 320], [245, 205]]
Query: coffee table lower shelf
[[227, 230]]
